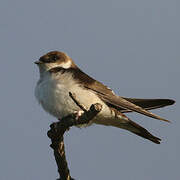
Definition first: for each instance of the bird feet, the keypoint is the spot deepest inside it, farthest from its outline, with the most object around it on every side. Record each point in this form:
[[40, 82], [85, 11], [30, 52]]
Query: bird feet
[[78, 114]]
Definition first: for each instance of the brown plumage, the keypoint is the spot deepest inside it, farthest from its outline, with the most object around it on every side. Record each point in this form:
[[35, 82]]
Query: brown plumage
[[59, 63]]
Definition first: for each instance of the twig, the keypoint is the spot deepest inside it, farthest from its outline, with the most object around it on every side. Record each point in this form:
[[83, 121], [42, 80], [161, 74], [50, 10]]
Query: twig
[[73, 96], [58, 129]]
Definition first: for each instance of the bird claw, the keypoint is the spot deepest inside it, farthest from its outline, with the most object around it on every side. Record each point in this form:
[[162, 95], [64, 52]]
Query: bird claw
[[78, 114]]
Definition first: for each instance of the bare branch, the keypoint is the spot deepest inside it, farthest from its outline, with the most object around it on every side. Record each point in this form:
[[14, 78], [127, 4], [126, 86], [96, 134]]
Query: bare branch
[[73, 96], [58, 129]]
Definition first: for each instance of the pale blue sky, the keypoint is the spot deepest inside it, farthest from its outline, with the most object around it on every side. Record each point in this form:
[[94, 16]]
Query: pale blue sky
[[133, 46]]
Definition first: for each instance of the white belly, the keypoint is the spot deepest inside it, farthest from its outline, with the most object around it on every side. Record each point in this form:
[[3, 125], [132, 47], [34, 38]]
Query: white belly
[[54, 97]]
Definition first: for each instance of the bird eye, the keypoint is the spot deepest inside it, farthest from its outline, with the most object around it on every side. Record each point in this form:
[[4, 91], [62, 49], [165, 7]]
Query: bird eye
[[54, 58]]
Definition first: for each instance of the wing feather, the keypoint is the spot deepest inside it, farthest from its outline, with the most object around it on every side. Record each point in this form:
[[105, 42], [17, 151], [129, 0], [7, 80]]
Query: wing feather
[[108, 96]]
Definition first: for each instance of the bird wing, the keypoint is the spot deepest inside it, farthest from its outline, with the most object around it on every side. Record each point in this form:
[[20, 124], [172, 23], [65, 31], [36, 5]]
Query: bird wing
[[106, 94], [149, 104], [111, 99]]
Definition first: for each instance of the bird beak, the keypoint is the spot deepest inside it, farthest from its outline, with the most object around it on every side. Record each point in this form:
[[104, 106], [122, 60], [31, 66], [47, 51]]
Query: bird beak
[[38, 62]]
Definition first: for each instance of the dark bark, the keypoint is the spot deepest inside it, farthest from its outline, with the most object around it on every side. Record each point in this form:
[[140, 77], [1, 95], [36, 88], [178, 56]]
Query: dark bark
[[58, 129]]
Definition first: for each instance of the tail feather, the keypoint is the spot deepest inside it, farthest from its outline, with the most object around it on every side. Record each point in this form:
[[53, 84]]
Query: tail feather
[[140, 131], [122, 121]]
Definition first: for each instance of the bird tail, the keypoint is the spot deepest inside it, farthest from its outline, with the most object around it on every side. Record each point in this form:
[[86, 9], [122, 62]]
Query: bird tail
[[140, 131], [122, 121]]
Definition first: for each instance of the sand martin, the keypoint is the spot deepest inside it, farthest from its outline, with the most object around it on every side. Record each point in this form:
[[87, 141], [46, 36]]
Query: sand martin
[[59, 75]]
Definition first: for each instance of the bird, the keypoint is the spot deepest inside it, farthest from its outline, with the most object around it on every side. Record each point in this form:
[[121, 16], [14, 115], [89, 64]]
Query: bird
[[59, 76]]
